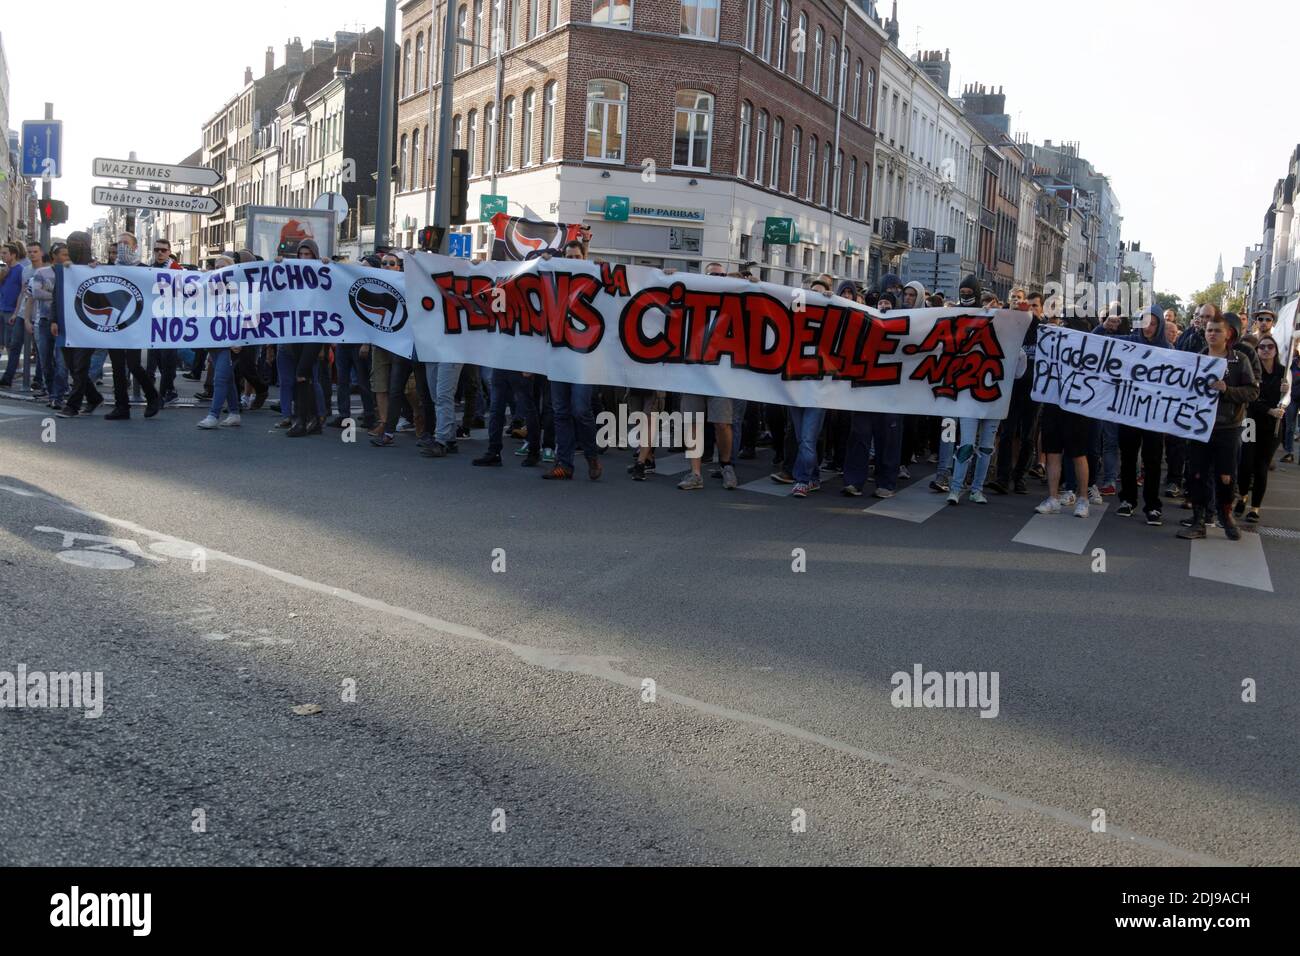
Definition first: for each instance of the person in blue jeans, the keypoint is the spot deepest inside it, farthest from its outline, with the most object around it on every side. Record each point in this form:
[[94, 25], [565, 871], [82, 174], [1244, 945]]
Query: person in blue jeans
[[976, 443], [347, 358], [13, 330], [285, 372], [517, 389], [575, 425], [224, 391], [442, 378], [882, 431], [49, 345], [807, 424]]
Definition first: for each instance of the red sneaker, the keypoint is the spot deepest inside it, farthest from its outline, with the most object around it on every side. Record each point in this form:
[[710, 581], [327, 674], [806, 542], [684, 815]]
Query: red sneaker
[[1107, 489], [558, 473]]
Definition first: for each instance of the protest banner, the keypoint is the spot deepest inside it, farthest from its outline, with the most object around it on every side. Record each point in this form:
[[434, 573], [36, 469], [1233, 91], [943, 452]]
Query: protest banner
[[1116, 380], [601, 324], [254, 303]]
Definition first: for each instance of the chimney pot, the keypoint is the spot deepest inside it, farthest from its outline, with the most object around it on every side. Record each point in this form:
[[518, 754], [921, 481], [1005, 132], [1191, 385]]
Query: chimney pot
[[248, 75]]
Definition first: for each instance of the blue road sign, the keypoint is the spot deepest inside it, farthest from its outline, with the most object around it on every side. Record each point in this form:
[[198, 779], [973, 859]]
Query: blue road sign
[[43, 148], [460, 244]]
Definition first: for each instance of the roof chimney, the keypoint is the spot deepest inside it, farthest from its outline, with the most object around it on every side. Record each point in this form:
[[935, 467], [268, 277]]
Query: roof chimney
[[270, 59], [248, 75]]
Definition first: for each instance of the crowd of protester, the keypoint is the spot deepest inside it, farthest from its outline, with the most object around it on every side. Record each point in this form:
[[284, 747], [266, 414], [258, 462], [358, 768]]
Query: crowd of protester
[[1081, 460]]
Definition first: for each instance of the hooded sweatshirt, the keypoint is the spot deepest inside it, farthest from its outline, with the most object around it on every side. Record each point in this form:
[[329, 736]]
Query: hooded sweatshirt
[[920, 293], [972, 283]]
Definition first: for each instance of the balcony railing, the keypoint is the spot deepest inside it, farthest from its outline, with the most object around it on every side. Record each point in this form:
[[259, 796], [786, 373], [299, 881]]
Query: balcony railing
[[945, 244], [923, 239], [893, 230]]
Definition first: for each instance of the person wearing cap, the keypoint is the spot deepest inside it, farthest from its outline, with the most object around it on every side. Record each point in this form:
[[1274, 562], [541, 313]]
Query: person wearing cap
[[1264, 319], [1140, 442], [1212, 464]]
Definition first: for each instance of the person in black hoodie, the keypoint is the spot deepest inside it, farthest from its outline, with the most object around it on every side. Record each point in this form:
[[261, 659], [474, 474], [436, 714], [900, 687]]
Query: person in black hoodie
[[1135, 442], [1265, 415], [1212, 465]]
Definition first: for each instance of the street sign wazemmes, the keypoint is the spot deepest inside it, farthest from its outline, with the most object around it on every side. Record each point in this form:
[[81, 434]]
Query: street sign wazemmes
[[157, 172], [159, 201]]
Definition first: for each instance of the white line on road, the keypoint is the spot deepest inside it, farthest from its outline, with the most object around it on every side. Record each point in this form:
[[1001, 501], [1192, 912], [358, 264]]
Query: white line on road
[[916, 504], [1242, 563], [603, 668], [1063, 532], [766, 486]]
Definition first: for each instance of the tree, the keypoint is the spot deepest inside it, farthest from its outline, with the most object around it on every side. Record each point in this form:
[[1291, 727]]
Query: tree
[[1168, 300], [1212, 293]]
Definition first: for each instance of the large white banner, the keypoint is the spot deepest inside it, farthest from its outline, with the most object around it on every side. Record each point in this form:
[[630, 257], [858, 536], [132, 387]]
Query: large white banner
[[597, 324], [254, 303], [1115, 380]]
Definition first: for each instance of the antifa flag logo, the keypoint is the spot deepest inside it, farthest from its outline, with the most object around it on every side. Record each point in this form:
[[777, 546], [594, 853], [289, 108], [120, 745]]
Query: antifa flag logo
[[378, 303], [518, 238], [108, 303]]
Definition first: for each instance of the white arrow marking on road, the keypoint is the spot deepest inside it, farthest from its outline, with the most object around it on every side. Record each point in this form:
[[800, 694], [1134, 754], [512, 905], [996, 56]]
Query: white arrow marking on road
[[916, 504], [98, 560], [1242, 563], [70, 538], [1063, 532]]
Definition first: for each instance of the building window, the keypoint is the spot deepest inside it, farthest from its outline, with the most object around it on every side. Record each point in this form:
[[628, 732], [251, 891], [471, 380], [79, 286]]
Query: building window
[[415, 159], [767, 30], [836, 195], [462, 27], [552, 14], [751, 23], [406, 68], [853, 181], [700, 19], [809, 186], [402, 166], [782, 35], [692, 130], [826, 174], [611, 13], [801, 42], [817, 60], [830, 70], [419, 61], [869, 105], [548, 119], [796, 135], [508, 134], [479, 37], [489, 139], [778, 144], [455, 132], [534, 12], [471, 140], [760, 146], [857, 89], [742, 152], [526, 133], [606, 120]]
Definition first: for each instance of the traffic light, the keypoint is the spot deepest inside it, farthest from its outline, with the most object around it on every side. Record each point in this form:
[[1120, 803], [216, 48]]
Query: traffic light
[[54, 212], [459, 185], [431, 238]]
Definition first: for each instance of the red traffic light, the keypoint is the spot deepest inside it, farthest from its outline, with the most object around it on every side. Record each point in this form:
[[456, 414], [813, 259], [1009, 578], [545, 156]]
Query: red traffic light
[[54, 212]]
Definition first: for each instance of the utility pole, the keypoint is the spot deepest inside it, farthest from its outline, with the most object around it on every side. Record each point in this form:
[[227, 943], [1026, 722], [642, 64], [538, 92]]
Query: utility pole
[[45, 191], [387, 110], [443, 188]]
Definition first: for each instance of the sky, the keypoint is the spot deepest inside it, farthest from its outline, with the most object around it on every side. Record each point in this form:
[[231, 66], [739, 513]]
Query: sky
[[1153, 92]]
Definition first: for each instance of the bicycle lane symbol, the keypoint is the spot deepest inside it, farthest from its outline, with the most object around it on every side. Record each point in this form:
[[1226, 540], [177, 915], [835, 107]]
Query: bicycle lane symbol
[[97, 551]]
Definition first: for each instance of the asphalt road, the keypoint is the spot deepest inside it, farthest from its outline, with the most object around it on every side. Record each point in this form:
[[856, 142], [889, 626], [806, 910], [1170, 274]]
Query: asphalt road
[[484, 696]]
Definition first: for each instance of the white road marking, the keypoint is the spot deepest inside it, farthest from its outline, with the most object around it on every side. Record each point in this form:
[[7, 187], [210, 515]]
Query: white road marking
[[672, 465], [1063, 532], [20, 411], [916, 504], [98, 560], [603, 668], [1242, 563], [766, 486]]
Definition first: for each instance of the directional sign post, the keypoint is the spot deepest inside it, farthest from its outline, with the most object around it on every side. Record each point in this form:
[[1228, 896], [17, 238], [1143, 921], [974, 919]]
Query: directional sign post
[[460, 244], [157, 172], [158, 201], [43, 148]]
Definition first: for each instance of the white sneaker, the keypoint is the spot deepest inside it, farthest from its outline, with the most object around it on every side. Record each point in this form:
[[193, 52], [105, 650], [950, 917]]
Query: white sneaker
[[1067, 499], [1094, 496], [1081, 509], [209, 422], [954, 496], [1050, 506], [230, 421], [903, 472]]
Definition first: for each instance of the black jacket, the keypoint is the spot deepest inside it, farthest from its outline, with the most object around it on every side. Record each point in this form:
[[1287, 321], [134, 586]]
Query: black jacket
[[1243, 388]]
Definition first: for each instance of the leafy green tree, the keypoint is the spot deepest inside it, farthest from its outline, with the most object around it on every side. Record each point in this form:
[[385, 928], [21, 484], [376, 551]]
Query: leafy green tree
[[1168, 300]]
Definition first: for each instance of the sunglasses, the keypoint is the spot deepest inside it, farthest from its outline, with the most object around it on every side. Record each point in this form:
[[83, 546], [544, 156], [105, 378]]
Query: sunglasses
[[164, 251], [390, 262], [1267, 348]]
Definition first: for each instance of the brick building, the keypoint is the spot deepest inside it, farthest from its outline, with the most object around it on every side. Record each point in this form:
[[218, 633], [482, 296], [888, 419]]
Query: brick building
[[709, 116]]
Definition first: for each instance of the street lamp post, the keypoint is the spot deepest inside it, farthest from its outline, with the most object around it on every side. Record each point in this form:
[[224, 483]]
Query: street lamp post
[[387, 109], [442, 189]]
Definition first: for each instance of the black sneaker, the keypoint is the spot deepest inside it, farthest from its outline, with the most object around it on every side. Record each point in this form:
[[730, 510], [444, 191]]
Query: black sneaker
[[67, 413], [1239, 508], [782, 478], [172, 398], [1125, 510], [436, 450], [91, 406], [530, 461], [637, 471], [997, 487], [452, 447], [118, 415], [1192, 532], [1021, 488], [650, 465], [1155, 518], [490, 460]]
